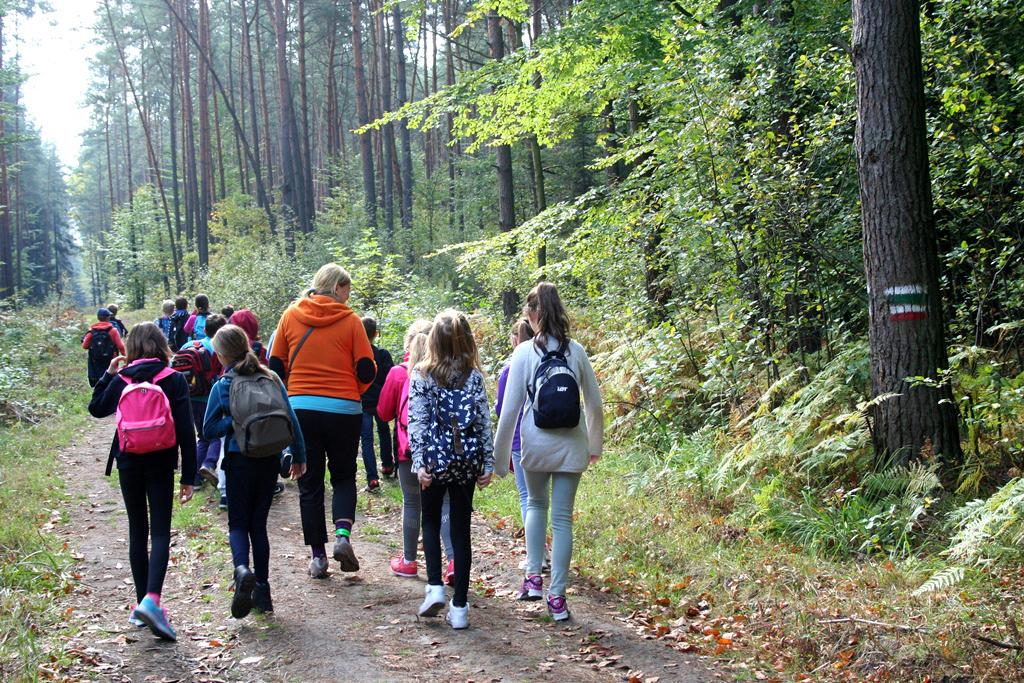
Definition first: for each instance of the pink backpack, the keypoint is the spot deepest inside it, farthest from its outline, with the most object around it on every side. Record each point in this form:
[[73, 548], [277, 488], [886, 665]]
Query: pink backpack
[[144, 421]]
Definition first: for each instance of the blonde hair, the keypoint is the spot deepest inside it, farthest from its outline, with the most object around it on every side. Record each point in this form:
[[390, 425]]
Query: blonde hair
[[146, 341], [418, 326], [232, 343], [328, 278], [167, 307], [417, 348], [451, 349]]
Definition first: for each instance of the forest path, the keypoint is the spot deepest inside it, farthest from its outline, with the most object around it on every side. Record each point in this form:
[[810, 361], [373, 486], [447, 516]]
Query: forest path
[[350, 627]]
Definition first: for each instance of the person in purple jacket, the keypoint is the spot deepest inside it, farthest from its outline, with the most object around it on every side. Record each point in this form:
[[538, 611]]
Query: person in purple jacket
[[521, 332]]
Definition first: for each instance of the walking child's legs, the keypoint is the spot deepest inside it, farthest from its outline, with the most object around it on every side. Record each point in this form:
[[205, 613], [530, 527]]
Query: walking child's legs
[[369, 456], [133, 490], [264, 479], [517, 465], [446, 527], [461, 511], [410, 509], [160, 494], [563, 499], [240, 509], [384, 436], [537, 484], [432, 498]]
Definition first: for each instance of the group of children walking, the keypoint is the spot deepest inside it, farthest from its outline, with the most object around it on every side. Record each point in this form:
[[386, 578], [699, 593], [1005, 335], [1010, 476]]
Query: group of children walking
[[319, 389]]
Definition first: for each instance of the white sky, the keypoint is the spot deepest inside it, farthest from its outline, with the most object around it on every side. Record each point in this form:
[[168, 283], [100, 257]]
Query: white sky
[[55, 49]]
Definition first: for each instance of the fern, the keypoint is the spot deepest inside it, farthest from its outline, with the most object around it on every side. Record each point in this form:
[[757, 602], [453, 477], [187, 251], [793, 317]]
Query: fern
[[941, 580], [987, 529]]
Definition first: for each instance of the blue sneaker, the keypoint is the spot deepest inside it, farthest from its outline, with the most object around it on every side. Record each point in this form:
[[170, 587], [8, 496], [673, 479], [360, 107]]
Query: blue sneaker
[[156, 618]]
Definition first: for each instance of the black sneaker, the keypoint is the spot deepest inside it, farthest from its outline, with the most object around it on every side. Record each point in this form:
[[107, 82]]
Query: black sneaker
[[223, 504], [373, 486], [278, 488], [245, 581], [286, 464], [261, 602]]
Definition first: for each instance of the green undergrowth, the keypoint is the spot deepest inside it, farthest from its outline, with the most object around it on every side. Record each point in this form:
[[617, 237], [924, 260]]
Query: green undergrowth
[[43, 399]]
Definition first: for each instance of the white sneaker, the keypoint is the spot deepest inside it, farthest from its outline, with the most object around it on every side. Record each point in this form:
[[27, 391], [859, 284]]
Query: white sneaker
[[458, 617], [433, 602]]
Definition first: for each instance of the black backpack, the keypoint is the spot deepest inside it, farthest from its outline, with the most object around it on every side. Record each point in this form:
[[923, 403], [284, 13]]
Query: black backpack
[[176, 335], [554, 392], [101, 346]]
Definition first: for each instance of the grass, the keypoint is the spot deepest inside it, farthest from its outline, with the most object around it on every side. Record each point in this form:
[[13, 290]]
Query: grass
[[695, 576], [41, 411]]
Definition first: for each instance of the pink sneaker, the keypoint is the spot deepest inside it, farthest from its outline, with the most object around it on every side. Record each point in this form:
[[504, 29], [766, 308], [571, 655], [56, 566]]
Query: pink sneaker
[[532, 589], [449, 573], [557, 608], [399, 567]]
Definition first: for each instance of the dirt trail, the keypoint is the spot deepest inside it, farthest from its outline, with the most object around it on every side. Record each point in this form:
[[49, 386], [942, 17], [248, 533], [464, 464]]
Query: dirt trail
[[358, 627]]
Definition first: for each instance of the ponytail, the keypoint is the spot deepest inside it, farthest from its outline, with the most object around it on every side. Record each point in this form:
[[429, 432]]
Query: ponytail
[[249, 365]]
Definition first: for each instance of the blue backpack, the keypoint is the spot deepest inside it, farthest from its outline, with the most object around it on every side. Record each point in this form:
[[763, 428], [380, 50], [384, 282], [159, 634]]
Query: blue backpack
[[199, 331], [453, 452], [554, 392]]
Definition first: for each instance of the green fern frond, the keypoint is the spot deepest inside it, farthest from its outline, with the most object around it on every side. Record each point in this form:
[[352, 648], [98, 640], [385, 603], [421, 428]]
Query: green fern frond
[[941, 580]]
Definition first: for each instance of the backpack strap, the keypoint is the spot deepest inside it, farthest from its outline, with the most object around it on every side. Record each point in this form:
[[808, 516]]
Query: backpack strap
[[298, 348]]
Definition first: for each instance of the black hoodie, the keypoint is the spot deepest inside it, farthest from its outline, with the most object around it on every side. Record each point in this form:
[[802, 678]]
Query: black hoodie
[[107, 393]]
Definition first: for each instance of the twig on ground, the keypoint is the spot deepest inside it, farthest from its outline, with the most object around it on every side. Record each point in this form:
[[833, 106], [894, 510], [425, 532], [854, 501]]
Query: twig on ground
[[880, 624], [997, 643]]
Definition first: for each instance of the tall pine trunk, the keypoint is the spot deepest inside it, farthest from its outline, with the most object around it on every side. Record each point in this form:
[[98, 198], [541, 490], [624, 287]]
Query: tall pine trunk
[[901, 262], [503, 154], [363, 116], [401, 95]]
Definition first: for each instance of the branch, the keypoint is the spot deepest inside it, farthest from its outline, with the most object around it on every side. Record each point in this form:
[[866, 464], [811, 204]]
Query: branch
[[997, 643], [880, 624]]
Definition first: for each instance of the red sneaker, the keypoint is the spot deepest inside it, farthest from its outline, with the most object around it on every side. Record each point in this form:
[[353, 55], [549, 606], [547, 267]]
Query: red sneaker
[[449, 574], [399, 567]]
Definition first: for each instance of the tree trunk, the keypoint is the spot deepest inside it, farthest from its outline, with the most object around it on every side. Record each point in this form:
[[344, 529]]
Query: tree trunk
[[264, 100], [384, 70], [906, 325], [307, 159], [205, 142], [363, 116], [291, 182], [506, 200], [398, 31], [247, 49], [6, 242]]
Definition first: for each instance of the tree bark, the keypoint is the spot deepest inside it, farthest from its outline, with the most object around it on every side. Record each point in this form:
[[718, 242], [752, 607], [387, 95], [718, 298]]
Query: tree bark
[[503, 154], [906, 322], [307, 159], [403, 129], [363, 117], [388, 132], [6, 242]]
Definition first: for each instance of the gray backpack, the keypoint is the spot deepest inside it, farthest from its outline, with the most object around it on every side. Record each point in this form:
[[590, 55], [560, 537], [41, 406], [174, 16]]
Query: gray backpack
[[259, 414]]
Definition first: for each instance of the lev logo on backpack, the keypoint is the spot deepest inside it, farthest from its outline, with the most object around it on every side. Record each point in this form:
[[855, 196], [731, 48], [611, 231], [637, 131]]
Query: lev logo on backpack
[[453, 450], [144, 420], [259, 414], [555, 393]]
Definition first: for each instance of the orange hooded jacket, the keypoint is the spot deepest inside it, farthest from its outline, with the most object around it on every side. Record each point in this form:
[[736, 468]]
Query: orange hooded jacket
[[336, 359]]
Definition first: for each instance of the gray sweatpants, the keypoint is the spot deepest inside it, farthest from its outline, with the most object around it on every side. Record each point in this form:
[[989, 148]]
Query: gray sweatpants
[[412, 514], [562, 487]]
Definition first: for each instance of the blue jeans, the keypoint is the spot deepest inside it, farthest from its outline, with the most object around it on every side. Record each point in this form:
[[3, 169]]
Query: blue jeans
[[369, 456], [517, 465]]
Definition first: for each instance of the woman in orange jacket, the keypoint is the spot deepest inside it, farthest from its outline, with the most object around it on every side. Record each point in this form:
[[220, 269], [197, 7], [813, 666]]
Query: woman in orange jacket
[[322, 353]]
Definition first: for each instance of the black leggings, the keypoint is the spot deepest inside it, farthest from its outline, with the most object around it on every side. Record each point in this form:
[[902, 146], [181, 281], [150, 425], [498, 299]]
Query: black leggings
[[152, 484], [461, 496], [250, 491], [332, 444]]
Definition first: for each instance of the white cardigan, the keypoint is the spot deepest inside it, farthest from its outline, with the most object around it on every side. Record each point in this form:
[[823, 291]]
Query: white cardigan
[[548, 450]]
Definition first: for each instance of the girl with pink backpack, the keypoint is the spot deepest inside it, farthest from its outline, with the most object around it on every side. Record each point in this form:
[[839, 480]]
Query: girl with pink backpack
[[154, 426]]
